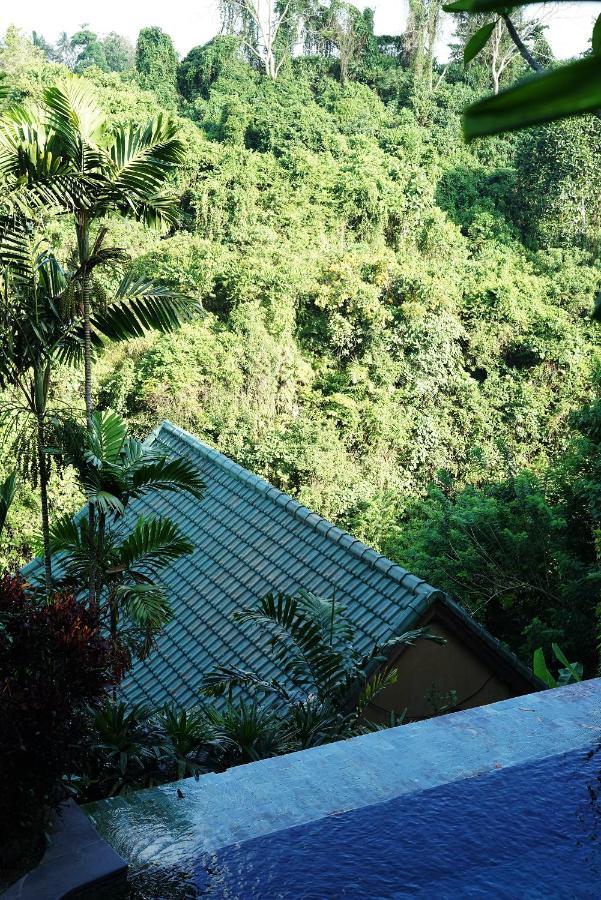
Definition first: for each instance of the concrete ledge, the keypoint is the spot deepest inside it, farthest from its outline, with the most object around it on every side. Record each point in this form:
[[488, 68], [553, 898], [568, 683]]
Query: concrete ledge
[[76, 857]]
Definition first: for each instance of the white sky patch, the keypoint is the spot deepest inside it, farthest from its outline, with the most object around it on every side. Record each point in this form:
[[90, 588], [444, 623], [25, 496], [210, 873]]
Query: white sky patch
[[193, 22]]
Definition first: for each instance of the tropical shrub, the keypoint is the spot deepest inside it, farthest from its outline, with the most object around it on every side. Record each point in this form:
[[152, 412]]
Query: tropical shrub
[[133, 747], [571, 673], [54, 663], [245, 731], [124, 751], [324, 686], [118, 561]]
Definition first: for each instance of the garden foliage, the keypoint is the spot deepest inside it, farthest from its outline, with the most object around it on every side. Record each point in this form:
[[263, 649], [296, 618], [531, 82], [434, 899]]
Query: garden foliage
[[54, 664]]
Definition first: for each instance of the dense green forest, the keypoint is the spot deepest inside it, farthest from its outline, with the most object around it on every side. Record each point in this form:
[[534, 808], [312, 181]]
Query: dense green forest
[[396, 326]]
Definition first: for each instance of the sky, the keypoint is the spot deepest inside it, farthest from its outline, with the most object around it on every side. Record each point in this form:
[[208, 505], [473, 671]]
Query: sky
[[193, 22]]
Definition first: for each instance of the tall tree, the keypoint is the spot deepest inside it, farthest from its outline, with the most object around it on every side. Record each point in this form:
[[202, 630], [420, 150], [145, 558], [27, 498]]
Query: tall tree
[[64, 52], [38, 40], [337, 29], [41, 326], [501, 56], [420, 38], [268, 29], [88, 170], [571, 89], [119, 53], [34, 333], [88, 50], [156, 64], [65, 155]]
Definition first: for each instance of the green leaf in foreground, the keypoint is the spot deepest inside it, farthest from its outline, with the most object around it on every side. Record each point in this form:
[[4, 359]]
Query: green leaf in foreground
[[540, 669], [477, 42], [7, 492], [596, 41], [569, 90], [484, 6]]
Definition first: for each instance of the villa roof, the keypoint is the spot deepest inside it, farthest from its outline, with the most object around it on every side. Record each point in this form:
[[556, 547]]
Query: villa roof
[[251, 539]]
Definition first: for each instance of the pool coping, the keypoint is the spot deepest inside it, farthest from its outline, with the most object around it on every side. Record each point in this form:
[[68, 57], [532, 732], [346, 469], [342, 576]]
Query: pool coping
[[76, 857]]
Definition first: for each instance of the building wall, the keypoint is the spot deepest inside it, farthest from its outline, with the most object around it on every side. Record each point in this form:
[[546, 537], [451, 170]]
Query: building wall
[[427, 666]]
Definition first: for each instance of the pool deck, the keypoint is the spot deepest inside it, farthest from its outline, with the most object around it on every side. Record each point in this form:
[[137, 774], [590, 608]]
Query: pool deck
[[76, 856], [250, 801]]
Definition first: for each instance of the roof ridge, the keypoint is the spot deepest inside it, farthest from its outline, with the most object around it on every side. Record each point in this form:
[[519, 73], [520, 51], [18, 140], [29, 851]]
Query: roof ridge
[[424, 592]]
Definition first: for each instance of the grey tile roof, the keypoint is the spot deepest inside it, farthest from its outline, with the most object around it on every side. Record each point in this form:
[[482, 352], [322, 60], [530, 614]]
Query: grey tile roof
[[251, 538]]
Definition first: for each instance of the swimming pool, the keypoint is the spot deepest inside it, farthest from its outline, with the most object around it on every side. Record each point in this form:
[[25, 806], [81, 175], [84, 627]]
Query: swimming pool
[[525, 825]]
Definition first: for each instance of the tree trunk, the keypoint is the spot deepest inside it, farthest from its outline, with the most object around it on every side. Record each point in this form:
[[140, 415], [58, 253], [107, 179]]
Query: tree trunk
[[524, 52], [87, 337], [43, 467], [83, 243], [534, 64], [114, 632], [433, 21], [83, 252], [270, 63]]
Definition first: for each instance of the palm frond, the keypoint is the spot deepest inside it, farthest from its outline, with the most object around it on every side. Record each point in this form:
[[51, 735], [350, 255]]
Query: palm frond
[[70, 541], [378, 682], [409, 637], [329, 613], [78, 122], [176, 474], [142, 156], [70, 350], [15, 246], [306, 655], [8, 489], [67, 535], [103, 500], [223, 678], [105, 438], [153, 544], [146, 605], [141, 305], [160, 211], [66, 192]]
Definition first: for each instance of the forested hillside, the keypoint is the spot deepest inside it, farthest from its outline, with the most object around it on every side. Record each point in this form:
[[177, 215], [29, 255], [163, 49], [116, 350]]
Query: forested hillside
[[397, 326]]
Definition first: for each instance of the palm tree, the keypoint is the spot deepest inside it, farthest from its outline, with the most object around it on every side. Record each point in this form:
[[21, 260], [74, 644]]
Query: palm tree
[[123, 563], [41, 325], [64, 156], [325, 684], [34, 332]]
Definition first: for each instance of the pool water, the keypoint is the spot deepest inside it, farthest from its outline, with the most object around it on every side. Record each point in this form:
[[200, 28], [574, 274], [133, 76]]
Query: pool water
[[530, 831]]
